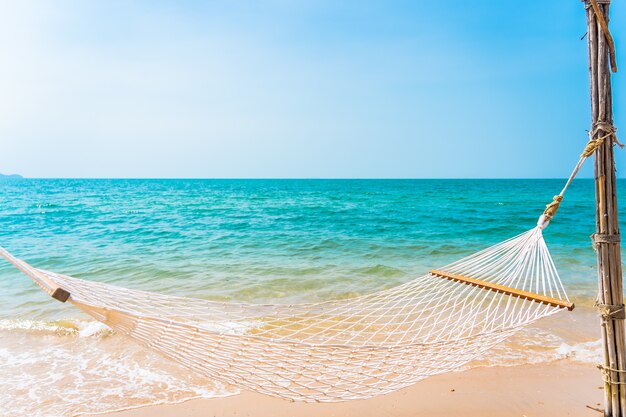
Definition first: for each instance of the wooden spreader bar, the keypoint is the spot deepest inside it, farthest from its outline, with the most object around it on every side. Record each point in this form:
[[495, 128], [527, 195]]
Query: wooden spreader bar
[[60, 294], [555, 302]]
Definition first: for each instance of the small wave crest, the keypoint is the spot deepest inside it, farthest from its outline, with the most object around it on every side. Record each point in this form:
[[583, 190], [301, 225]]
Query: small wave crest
[[80, 328], [536, 345], [587, 352], [60, 327], [82, 367], [75, 360]]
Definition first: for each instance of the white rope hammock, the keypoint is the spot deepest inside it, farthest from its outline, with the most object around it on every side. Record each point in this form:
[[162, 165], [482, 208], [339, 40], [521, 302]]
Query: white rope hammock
[[336, 350], [344, 349]]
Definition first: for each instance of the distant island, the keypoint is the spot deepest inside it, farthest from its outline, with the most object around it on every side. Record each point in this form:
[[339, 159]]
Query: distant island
[[11, 176]]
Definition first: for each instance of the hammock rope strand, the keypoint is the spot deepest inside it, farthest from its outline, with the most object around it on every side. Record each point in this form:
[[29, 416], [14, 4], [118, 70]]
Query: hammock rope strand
[[592, 145]]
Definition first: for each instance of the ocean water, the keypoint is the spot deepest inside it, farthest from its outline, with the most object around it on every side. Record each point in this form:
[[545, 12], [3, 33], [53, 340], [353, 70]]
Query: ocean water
[[280, 241]]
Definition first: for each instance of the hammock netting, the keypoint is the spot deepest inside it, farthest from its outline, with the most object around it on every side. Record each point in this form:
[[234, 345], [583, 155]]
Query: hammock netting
[[337, 350]]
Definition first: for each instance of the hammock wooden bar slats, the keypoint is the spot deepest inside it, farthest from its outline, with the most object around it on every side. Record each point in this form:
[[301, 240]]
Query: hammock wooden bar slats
[[504, 290]]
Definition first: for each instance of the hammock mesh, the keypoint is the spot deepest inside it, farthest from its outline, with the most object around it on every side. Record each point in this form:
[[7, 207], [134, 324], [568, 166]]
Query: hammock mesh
[[336, 350]]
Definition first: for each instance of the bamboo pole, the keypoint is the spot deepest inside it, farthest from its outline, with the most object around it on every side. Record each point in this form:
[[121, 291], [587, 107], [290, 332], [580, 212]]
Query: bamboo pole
[[610, 297]]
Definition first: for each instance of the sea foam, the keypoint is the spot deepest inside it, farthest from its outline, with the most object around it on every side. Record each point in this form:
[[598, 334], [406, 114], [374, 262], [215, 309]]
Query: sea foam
[[52, 370]]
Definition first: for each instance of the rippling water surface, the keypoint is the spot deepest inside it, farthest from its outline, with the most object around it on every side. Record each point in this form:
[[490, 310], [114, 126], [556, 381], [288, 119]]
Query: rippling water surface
[[255, 241]]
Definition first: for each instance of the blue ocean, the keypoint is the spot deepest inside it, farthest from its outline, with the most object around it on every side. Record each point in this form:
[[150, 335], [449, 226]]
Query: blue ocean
[[279, 241]]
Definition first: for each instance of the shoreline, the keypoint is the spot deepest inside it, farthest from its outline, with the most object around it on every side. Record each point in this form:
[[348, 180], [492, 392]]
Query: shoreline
[[561, 388], [106, 374]]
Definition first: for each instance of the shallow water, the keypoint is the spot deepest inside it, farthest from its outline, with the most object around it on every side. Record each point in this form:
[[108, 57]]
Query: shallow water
[[255, 241]]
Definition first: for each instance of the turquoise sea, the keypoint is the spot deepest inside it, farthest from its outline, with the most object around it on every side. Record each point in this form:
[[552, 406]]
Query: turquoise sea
[[278, 241]]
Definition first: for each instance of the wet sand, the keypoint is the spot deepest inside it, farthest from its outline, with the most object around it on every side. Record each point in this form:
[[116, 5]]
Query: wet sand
[[562, 388]]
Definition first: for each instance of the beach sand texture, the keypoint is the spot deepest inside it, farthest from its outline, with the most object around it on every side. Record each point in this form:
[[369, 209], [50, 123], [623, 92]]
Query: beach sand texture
[[563, 388]]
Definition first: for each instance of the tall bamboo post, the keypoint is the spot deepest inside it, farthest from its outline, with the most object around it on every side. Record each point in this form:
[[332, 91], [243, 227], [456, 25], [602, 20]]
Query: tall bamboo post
[[607, 237]]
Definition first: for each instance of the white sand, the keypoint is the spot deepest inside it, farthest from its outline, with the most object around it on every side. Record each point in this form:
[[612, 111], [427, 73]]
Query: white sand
[[563, 388]]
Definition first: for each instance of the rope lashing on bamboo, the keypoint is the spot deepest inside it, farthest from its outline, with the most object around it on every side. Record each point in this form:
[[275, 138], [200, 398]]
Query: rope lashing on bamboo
[[610, 311], [606, 238], [606, 374], [591, 146], [606, 31], [597, 238]]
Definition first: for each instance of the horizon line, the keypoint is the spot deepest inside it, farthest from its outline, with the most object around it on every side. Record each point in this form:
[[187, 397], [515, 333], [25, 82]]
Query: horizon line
[[293, 178]]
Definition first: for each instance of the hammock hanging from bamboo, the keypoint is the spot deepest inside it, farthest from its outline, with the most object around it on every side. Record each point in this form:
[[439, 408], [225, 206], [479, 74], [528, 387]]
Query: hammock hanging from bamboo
[[344, 349]]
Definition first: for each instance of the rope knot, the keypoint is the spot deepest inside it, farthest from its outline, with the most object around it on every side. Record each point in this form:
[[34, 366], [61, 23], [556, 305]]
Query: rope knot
[[598, 238], [553, 206], [607, 376], [594, 143], [610, 311]]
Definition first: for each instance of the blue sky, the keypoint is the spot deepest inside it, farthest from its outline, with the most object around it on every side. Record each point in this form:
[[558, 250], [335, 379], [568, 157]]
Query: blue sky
[[297, 88]]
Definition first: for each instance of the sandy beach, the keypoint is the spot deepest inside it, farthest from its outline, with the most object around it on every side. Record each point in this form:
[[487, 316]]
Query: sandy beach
[[562, 388]]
